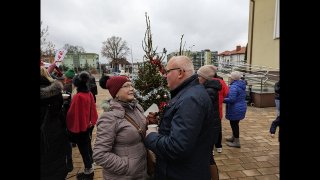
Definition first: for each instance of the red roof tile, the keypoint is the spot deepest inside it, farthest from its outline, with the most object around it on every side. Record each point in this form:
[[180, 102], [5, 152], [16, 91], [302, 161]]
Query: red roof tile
[[228, 53]]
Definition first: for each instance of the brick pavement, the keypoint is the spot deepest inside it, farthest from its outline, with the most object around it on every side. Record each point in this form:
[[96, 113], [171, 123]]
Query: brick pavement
[[258, 157]]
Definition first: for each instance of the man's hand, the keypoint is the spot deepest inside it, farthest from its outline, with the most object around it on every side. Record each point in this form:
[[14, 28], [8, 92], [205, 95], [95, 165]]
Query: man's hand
[[152, 118]]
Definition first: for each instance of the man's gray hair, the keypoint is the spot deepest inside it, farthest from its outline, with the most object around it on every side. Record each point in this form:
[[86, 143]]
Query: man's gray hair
[[185, 63]]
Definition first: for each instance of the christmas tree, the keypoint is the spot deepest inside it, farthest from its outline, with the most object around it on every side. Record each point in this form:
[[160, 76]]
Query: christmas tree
[[151, 85]]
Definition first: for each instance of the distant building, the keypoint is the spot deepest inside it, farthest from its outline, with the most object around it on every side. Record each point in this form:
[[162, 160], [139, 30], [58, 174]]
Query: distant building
[[118, 64], [81, 60], [234, 57], [136, 67], [199, 58]]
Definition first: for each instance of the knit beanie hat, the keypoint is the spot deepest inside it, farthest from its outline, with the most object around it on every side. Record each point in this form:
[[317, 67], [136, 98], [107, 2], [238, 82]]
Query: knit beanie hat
[[114, 83], [70, 73], [81, 81], [207, 71]]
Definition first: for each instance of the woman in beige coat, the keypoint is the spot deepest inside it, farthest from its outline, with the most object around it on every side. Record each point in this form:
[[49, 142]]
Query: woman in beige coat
[[119, 147]]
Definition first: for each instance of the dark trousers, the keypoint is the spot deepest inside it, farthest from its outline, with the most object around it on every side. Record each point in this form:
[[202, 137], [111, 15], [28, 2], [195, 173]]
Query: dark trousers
[[235, 128], [218, 144], [274, 125], [83, 141], [86, 153], [69, 150]]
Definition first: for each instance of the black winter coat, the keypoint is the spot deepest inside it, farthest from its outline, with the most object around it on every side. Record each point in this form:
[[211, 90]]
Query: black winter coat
[[213, 87], [53, 140]]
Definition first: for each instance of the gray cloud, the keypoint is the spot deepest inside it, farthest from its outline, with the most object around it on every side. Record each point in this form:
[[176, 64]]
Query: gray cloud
[[208, 24]]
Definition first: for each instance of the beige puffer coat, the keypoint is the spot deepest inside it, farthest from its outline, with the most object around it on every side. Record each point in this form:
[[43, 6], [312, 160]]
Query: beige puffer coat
[[119, 148]]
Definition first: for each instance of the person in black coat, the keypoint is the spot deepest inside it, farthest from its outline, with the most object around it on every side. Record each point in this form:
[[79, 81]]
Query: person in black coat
[[52, 129], [93, 87], [205, 76]]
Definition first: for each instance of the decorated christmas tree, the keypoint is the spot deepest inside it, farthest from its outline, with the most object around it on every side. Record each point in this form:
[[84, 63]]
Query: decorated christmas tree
[[151, 84]]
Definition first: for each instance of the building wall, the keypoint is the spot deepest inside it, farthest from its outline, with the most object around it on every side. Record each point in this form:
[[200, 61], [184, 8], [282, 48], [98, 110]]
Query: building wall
[[90, 58], [233, 59], [207, 58], [263, 49], [237, 59], [199, 58]]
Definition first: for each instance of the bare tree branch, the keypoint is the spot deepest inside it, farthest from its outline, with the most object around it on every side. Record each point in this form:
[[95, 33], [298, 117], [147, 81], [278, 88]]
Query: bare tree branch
[[114, 48], [180, 50]]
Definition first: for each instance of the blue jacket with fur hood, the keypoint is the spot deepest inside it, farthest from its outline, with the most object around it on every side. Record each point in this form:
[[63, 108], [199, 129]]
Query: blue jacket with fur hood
[[236, 105]]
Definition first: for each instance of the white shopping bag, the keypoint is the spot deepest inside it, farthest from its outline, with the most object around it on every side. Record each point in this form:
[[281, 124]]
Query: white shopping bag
[[152, 108]]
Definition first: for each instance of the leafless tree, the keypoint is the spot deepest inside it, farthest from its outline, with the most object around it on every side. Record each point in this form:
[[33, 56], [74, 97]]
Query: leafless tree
[[46, 47], [74, 49], [147, 44], [115, 48]]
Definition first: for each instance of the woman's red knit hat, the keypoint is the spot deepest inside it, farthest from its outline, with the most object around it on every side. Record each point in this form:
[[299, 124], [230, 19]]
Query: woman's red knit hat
[[114, 83]]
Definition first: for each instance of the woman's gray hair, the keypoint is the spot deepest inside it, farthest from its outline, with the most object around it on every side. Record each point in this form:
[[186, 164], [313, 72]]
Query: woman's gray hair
[[236, 75]]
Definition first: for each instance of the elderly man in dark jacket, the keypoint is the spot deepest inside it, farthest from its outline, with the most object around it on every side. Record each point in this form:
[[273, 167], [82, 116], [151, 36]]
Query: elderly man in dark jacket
[[184, 142]]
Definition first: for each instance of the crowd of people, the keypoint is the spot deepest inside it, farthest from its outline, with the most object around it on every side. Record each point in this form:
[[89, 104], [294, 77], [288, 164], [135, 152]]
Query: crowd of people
[[183, 144], [68, 115]]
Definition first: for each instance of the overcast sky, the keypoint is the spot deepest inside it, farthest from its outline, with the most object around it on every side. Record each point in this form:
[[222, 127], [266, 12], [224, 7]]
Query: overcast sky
[[217, 25]]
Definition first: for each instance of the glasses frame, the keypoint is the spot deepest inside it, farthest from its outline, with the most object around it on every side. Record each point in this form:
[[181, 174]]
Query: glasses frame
[[127, 86], [167, 71]]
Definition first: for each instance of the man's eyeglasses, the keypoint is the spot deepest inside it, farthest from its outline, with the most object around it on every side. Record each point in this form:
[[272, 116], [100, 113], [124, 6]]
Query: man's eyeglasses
[[167, 71], [127, 86]]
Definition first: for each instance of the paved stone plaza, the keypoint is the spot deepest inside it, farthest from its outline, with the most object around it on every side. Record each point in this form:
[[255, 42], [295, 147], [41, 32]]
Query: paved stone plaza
[[258, 157]]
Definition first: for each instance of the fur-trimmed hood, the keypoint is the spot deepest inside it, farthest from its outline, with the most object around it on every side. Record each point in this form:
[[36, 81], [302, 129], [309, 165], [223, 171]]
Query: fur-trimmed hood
[[51, 90]]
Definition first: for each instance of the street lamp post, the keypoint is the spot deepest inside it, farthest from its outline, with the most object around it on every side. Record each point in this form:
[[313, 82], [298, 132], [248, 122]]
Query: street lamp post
[[191, 47]]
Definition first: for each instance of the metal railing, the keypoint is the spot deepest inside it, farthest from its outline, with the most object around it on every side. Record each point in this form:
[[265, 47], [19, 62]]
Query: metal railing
[[259, 78]]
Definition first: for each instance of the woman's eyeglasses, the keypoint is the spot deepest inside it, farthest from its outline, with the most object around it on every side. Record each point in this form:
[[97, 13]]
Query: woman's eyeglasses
[[127, 86]]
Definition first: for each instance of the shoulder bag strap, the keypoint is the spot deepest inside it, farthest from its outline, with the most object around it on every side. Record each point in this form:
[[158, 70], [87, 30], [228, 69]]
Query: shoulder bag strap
[[130, 120]]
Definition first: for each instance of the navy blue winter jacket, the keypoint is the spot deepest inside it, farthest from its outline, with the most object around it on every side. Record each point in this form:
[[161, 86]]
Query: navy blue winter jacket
[[184, 142]]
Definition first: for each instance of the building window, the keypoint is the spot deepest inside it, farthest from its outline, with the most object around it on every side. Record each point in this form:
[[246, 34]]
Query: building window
[[276, 33]]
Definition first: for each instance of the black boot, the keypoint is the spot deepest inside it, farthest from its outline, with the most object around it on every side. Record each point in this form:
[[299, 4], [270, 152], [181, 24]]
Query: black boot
[[83, 176]]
